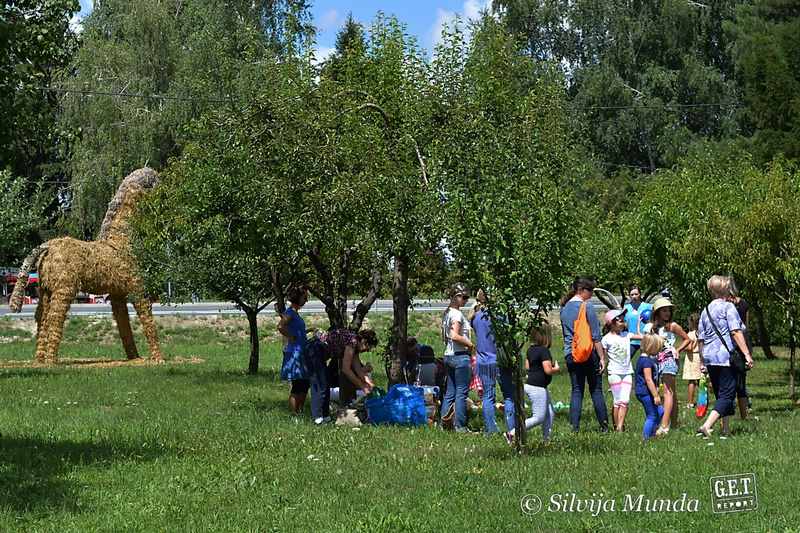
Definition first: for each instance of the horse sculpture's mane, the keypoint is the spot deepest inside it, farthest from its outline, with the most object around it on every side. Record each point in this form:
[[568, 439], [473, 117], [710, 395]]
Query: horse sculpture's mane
[[143, 178]]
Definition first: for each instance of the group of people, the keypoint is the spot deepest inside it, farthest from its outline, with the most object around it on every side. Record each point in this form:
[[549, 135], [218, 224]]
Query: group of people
[[716, 344], [331, 359], [716, 337]]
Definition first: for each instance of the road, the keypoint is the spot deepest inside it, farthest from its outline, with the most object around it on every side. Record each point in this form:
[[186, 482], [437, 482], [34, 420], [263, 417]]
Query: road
[[223, 308]]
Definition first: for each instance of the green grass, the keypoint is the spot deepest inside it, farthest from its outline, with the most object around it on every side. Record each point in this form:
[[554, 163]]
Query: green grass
[[204, 447]]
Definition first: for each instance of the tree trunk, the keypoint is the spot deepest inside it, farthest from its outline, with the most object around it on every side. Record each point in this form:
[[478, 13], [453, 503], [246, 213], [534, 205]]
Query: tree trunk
[[365, 304], [792, 345], [400, 302], [763, 332], [252, 320]]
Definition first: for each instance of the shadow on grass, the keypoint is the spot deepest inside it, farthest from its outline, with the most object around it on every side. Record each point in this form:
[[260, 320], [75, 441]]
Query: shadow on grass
[[203, 376], [35, 473]]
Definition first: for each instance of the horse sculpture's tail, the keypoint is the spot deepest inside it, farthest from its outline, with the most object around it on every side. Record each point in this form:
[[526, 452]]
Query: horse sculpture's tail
[[15, 303]]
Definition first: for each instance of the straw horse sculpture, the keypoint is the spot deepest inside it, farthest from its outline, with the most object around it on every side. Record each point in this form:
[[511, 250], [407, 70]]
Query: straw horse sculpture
[[67, 265]]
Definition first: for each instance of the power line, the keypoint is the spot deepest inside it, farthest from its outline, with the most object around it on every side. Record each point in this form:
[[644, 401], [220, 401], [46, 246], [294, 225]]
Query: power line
[[135, 95], [662, 106], [120, 94]]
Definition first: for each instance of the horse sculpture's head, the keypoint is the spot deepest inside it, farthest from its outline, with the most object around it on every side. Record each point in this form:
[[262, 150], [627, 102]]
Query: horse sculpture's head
[[121, 205]]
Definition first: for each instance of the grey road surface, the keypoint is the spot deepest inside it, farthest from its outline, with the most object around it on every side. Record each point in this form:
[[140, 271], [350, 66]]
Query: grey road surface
[[223, 308]]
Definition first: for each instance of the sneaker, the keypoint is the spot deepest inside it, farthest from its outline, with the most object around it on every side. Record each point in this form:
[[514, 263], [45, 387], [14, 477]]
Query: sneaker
[[509, 438], [690, 406], [661, 431], [322, 420]]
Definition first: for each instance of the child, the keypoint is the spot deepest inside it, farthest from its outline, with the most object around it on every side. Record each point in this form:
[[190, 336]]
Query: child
[[647, 384], [617, 344], [672, 333], [541, 368], [691, 362]]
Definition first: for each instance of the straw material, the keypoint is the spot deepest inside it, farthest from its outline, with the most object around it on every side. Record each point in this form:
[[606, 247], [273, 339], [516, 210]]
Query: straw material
[[68, 265]]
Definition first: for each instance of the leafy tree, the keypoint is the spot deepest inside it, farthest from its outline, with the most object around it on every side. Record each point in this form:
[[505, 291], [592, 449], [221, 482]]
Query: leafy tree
[[214, 226], [146, 69], [755, 240], [36, 44], [22, 216], [500, 156], [766, 51], [639, 73]]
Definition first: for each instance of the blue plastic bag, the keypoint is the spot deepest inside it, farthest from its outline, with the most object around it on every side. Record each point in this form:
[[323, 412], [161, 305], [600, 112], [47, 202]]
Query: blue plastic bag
[[403, 405]]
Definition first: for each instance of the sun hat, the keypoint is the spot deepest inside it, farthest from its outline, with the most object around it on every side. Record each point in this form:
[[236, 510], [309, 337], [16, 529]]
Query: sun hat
[[612, 314], [661, 302]]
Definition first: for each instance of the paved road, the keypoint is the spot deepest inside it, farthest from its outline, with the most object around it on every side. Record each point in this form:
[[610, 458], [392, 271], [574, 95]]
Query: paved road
[[223, 308]]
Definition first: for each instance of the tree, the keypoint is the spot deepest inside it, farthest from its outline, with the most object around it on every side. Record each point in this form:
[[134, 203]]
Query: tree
[[213, 226], [394, 79], [756, 240], [766, 52], [147, 69], [639, 73], [500, 156], [37, 44], [22, 216]]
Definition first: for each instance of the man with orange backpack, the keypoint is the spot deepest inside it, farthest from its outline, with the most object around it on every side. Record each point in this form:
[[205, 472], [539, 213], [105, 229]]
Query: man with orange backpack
[[584, 354]]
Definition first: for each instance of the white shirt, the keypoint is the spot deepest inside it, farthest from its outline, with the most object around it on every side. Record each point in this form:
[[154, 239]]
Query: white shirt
[[451, 346], [618, 349]]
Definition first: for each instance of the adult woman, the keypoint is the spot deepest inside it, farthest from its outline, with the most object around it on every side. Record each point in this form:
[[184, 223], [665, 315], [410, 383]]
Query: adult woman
[[348, 346], [589, 371], [487, 365], [634, 310], [294, 368], [676, 338], [455, 334], [721, 327]]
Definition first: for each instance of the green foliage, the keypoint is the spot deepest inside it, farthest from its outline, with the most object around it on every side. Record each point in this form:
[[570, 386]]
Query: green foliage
[[766, 49], [642, 56], [500, 157], [22, 215], [36, 44], [185, 58]]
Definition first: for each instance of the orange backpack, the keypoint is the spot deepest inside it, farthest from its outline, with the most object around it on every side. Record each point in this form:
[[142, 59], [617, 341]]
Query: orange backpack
[[582, 343]]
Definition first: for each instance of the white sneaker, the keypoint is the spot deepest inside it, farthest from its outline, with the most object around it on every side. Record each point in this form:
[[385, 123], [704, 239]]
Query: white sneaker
[[322, 420]]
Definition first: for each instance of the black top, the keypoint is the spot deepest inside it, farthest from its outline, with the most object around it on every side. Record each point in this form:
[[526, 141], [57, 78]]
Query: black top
[[742, 307], [536, 374]]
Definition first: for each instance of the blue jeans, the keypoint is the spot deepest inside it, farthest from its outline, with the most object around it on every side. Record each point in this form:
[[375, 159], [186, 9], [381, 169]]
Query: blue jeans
[[652, 413], [506, 380], [488, 376], [459, 374], [580, 374]]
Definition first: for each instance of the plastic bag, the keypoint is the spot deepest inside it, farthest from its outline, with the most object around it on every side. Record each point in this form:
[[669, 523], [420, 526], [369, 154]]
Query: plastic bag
[[403, 405]]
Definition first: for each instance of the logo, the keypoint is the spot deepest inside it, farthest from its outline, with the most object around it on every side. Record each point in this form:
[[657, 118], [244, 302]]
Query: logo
[[531, 504], [734, 493]]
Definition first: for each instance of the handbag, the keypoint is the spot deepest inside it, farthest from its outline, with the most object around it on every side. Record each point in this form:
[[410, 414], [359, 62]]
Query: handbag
[[737, 358]]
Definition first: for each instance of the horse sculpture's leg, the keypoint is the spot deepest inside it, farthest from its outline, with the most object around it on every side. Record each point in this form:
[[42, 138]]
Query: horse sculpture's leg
[[54, 322], [42, 324], [144, 308], [119, 308]]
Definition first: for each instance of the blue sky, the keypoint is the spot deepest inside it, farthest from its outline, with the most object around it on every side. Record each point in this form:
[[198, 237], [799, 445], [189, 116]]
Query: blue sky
[[424, 18]]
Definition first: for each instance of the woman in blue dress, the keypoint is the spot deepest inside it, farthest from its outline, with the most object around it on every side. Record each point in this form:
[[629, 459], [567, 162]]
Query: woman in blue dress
[[294, 368]]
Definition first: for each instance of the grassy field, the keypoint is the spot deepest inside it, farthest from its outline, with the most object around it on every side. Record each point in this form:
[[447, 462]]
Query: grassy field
[[197, 445]]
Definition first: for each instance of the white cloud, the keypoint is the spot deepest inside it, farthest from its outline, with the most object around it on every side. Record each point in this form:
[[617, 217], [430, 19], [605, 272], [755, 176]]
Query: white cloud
[[443, 18], [330, 20], [470, 10]]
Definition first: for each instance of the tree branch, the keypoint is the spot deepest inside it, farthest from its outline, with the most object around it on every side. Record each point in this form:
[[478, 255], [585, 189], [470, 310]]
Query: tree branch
[[365, 304]]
